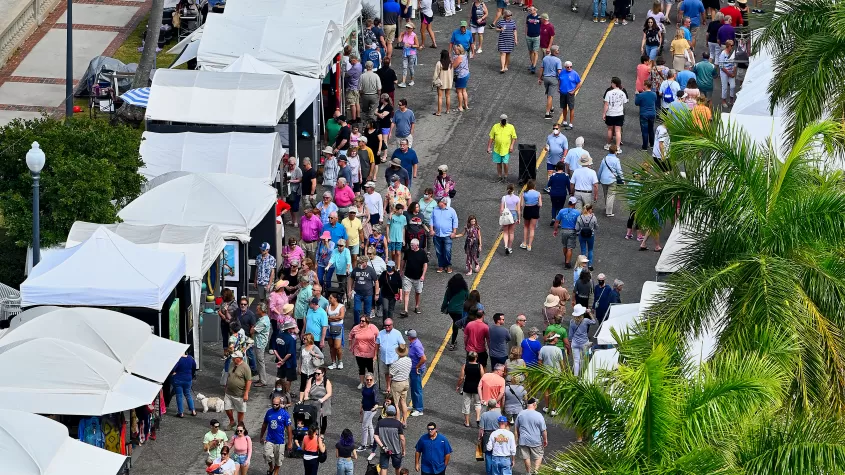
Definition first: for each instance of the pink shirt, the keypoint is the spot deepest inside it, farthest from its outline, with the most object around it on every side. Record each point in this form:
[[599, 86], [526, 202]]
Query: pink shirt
[[643, 72], [310, 229], [363, 341], [242, 445], [476, 335], [278, 300], [292, 254], [344, 197]]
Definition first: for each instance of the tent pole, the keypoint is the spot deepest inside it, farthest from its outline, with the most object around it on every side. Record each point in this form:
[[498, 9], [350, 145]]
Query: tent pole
[[292, 138], [159, 323]]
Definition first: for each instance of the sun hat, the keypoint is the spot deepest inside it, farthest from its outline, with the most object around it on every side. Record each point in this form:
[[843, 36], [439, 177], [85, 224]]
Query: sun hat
[[443, 168], [402, 350], [328, 150], [585, 159], [578, 310], [326, 235], [287, 308], [281, 283], [552, 300], [544, 16], [582, 259], [288, 325], [396, 161]]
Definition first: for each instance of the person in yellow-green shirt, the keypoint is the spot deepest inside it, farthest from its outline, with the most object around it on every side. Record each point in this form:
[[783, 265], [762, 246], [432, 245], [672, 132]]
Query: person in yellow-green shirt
[[558, 328], [502, 140]]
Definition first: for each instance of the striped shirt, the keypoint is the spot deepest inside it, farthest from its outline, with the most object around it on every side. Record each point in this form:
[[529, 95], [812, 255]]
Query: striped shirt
[[400, 370]]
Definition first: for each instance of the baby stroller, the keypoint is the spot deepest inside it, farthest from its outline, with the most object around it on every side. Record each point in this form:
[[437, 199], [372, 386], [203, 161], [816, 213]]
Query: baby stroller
[[630, 16], [307, 414]]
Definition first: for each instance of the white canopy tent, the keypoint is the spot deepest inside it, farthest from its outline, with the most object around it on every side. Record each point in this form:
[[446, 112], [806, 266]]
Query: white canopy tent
[[118, 336], [301, 44], [35, 445], [104, 271], [345, 13], [253, 155], [201, 246], [233, 203], [678, 241], [219, 98], [649, 294], [307, 89], [607, 360], [621, 317], [51, 376]]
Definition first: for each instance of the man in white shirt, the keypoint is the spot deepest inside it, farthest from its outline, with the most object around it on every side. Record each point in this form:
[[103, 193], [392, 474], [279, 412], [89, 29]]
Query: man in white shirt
[[573, 156], [614, 112], [660, 152], [502, 448], [585, 182]]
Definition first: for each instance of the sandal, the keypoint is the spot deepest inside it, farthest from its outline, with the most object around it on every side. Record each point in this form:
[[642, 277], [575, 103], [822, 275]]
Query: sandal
[[403, 314], [658, 249], [643, 248], [417, 310], [436, 114], [451, 347]]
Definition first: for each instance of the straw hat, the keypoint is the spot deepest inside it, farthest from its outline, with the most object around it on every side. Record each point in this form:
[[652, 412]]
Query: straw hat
[[287, 309], [582, 259], [552, 300], [402, 350], [281, 283], [585, 159]]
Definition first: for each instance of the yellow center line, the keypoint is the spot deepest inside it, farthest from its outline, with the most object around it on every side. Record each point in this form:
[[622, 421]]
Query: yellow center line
[[492, 252]]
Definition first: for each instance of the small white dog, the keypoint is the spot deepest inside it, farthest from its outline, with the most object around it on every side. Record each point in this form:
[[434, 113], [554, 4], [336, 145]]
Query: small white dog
[[215, 403]]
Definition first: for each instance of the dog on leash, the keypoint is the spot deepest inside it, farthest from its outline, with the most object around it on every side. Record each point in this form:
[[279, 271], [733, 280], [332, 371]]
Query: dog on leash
[[214, 403]]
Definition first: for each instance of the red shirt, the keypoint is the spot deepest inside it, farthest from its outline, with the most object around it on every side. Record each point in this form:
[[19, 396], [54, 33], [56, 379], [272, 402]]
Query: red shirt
[[547, 30], [736, 15], [476, 336]]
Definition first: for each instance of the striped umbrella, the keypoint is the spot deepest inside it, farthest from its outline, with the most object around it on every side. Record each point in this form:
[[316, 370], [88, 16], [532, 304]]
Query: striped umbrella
[[137, 97]]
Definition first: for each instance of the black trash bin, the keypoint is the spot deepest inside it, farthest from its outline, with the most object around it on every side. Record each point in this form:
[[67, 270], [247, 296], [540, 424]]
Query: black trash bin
[[527, 163]]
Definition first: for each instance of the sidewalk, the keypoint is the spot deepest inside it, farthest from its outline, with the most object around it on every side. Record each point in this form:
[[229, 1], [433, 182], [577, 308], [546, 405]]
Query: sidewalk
[[33, 81]]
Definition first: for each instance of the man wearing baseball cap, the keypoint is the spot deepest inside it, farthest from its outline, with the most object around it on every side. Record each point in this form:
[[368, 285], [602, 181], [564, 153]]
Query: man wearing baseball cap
[[390, 438], [570, 82], [238, 385], [265, 271], [500, 145], [565, 220], [417, 354], [464, 38], [501, 449], [530, 428]]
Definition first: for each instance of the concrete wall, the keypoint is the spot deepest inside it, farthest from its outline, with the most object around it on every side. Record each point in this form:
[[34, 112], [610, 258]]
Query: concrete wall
[[18, 20]]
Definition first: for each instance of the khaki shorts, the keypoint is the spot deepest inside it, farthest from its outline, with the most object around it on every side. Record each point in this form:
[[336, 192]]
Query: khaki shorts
[[530, 453], [274, 453], [352, 98], [399, 390], [409, 284], [232, 403], [470, 401], [389, 33]]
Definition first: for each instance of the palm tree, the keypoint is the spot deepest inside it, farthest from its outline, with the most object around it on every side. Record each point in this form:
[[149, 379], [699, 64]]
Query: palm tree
[[807, 41], [766, 267], [656, 415]]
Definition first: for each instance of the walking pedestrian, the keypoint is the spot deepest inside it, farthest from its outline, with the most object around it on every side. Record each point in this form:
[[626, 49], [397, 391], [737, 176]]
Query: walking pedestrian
[[416, 352], [530, 432], [390, 438], [444, 227], [514, 364], [453, 304], [335, 313], [681, 50], [400, 374], [610, 176], [613, 113], [410, 43], [390, 290], [696, 12], [468, 380], [668, 90], [531, 347], [705, 71], [558, 189], [261, 336], [569, 84], [472, 245], [284, 348], [579, 337], [547, 34], [313, 447], [443, 81], [369, 410], [530, 203], [214, 440], [345, 452], [416, 266], [488, 424], [532, 38], [552, 357], [550, 69], [238, 385], [477, 338], [426, 18], [365, 282], [391, 11], [507, 39], [387, 341], [241, 447], [477, 22], [402, 127], [511, 203], [444, 188], [517, 334], [603, 294], [502, 447], [460, 64], [500, 145], [585, 182], [492, 385], [557, 146], [433, 452], [182, 382], [498, 339], [652, 38], [362, 340], [647, 102], [727, 73], [318, 390], [276, 435]]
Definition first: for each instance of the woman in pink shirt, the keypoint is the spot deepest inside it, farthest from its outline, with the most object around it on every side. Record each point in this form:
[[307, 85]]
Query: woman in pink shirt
[[278, 299], [241, 445], [344, 196], [362, 339], [643, 72], [291, 252]]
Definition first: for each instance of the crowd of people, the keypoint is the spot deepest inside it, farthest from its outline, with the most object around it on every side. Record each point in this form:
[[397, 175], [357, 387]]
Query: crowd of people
[[367, 252]]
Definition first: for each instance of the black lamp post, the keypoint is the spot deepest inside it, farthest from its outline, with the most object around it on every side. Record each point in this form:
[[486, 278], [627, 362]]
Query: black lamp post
[[35, 161]]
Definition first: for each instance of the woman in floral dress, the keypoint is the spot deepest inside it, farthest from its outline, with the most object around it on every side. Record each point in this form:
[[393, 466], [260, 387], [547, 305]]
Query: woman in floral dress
[[472, 245]]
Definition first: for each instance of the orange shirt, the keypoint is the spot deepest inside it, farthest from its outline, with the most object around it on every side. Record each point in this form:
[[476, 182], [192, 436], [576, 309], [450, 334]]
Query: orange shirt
[[492, 386], [701, 113]]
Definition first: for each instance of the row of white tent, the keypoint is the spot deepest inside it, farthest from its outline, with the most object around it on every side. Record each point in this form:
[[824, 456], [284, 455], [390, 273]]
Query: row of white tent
[[73, 361]]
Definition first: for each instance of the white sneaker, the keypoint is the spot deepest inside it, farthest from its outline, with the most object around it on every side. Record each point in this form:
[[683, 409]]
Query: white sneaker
[[360, 385], [478, 51], [565, 123], [546, 409], [332, 366], [411, 83], [553, 413], [607, 146], [618, 151], [371, 456], [340, 365], [401, 84], [416, 414]]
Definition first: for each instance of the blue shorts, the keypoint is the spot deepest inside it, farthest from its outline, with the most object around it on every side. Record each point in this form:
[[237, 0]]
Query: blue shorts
[[394, 246], [501, 158], [461, 83], [550, 167], [385, 131], [240, 459]]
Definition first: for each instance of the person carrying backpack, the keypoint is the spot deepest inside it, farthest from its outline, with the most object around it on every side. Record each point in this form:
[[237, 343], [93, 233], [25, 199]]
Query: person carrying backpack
[[668, 90]]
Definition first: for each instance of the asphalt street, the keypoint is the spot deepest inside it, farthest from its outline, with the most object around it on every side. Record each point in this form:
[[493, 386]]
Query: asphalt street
[[510, 284]]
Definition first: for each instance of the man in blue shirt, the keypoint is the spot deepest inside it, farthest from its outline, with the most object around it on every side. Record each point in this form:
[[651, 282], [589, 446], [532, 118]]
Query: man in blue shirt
[[408, 158], [464, 38], [695, 10], [550, 69], [316, 321], [558, 188], [570, 82], [647, 102], [532, 37], [278, 421], [556, 148], [337, 230], [565, 220], [444, 225], [284, 347], [685, 75], [433, 452], [416, 352], [403, 123], [573, 157], [391, 11]]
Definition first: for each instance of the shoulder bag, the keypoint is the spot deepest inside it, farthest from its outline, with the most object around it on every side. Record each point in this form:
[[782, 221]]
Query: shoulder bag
[[506, 218], [619, 180]]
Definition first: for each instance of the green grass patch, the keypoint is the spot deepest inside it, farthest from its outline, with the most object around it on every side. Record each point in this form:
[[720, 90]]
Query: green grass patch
[[129, 52]]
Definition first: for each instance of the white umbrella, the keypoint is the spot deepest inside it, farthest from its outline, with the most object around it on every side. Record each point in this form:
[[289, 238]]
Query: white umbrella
[[34, 445]]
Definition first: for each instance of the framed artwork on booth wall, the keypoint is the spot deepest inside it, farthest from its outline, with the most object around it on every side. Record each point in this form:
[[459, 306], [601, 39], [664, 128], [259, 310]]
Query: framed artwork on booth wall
[[231, 261]]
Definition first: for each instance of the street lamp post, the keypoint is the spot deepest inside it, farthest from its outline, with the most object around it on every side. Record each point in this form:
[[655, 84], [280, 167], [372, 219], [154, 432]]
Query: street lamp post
[[35, 161]]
